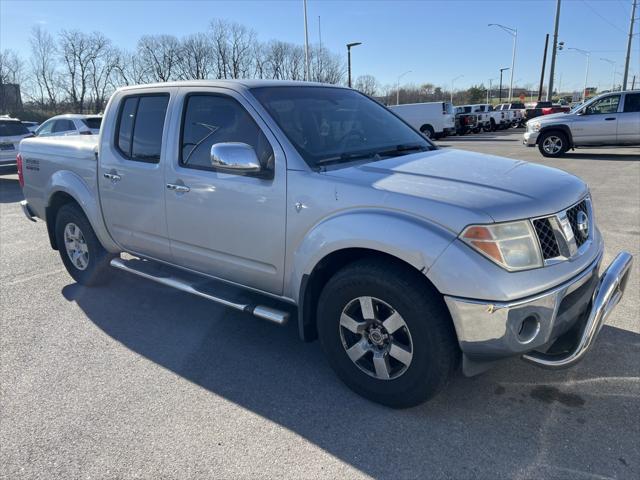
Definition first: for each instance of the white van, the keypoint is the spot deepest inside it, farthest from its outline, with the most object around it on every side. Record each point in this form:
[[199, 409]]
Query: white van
[[433, 119]]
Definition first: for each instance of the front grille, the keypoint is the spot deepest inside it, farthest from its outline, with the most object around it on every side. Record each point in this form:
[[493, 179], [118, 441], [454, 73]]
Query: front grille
[[548, 243], [572, 216]]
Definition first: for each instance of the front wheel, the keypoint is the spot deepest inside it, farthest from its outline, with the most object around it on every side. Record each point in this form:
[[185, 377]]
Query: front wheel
[[386, 333], [428, 131], [83, 255], [553, 144]]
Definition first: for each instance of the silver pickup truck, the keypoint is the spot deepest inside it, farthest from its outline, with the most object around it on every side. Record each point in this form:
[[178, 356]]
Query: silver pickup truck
[[404, 259]]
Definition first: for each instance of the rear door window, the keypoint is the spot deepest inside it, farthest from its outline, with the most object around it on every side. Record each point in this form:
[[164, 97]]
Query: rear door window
[[632, 102], [140, 127]]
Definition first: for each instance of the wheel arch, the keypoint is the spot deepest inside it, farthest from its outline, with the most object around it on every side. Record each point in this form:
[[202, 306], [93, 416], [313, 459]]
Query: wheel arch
[[313, 282], [558, 128], [66, 187]]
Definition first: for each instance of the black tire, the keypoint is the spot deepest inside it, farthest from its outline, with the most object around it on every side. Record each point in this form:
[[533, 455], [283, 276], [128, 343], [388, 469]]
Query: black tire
[[558, 139], [487, 127], [493, 126], [427, 131], [435, 352], [97, 260], [476, 129]]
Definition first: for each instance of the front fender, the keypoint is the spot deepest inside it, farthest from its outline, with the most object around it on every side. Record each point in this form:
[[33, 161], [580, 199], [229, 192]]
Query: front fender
[[407, 238], [74, 185]]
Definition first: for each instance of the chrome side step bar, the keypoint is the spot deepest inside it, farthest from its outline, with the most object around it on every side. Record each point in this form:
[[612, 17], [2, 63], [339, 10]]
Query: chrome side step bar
[[260, 311]]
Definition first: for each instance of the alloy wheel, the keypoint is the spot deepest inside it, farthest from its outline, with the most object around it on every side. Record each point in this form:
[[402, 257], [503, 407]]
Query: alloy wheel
[[76, 246], [376, 338]]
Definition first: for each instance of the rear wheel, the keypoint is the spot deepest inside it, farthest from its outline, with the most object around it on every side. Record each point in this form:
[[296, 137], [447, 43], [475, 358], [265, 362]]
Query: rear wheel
[[386, 334], [84, 257], [553, 144]]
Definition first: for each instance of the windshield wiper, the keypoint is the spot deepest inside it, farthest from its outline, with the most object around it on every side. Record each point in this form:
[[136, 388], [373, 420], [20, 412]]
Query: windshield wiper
[[402, 149], [346, 157]]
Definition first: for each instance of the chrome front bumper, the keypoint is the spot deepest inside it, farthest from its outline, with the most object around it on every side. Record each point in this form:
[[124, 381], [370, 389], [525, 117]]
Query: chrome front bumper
[[490, 331], [530, 138]]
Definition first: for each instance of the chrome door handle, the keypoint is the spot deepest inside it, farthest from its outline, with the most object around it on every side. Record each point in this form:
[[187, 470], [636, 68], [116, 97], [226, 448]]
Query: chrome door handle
[[178, 188], [114, 177]]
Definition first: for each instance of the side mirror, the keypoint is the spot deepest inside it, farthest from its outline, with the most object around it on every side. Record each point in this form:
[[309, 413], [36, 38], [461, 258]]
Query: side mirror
[[235, 157]]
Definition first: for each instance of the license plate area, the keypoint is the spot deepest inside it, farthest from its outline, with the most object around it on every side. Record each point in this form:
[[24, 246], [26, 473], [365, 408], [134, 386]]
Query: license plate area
[[6, 146]]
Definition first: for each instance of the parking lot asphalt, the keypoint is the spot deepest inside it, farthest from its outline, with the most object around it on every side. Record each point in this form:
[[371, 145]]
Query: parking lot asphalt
[[135, 380]]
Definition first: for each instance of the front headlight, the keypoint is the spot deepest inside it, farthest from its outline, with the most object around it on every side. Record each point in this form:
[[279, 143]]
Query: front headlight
[[512, 245], [533, 126]]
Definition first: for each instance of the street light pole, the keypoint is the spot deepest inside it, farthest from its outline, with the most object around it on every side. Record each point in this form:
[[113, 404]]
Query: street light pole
[[500, 94], [349, 45], [613, 64], [398, 86], [459, 76], [586, 75], [489, 91], [514, 33]]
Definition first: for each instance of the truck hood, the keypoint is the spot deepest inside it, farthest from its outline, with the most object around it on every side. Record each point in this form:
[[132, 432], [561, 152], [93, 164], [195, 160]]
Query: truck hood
[[502, 188], [552, 117]]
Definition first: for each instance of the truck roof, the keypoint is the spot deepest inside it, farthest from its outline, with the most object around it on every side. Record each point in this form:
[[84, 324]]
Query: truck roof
[[233, 84]]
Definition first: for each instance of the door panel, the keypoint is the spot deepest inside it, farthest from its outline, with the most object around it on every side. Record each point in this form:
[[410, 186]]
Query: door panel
[[629, 120], [599, 123], [131, 176], [226, 225]]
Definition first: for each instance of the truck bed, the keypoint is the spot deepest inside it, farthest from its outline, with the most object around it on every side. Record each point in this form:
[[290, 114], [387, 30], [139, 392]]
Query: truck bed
[[48, 156]]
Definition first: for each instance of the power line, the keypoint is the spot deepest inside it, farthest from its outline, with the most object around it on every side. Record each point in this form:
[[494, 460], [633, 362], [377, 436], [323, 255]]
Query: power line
[[603, 18]]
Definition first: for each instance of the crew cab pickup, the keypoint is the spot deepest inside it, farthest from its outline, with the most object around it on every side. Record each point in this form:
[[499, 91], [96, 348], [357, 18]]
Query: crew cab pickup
[[540, 108], [611, 119], [403, 258]]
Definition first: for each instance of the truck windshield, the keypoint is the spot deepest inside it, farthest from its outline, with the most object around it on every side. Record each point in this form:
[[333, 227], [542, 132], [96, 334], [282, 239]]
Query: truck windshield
[[335, 125]]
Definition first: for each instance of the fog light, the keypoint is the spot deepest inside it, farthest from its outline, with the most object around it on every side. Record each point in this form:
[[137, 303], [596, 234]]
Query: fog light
[[528, 330]]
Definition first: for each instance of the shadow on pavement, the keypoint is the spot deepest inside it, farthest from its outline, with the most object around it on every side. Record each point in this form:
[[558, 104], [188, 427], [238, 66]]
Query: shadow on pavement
[[10, 191], [617, 157], [513, 421]]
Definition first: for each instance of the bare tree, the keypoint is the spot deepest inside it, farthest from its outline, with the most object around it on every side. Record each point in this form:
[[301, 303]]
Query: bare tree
[[128, 69], [326, 67], [43, 67], [196, 58], [234, 47], [220, 37], [158, 55], [102, 65], [76, 50], [11, 67], [367, 84]]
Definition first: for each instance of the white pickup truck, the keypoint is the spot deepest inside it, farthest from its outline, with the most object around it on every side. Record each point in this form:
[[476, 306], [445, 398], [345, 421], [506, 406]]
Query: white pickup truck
[[404, 259], [492, 119]]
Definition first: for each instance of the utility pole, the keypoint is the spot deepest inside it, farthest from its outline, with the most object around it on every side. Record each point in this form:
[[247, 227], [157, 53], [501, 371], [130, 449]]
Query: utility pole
[[544, 64], [306, 43], [628, 58], [553, 52]]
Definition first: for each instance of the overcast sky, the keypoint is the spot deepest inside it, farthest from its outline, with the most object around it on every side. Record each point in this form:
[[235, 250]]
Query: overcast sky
[[436, 40]]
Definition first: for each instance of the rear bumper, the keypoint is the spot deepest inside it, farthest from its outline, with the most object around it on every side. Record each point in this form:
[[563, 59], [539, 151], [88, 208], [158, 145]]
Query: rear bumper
[[26, 209], [490, 331]]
